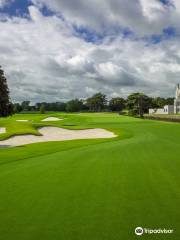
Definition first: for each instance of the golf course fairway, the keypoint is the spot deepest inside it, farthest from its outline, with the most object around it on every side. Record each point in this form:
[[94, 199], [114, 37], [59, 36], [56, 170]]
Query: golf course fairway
[[95, 189]]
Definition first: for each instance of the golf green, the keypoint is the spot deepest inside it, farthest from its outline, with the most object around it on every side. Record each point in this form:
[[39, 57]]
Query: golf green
[[98, 189]]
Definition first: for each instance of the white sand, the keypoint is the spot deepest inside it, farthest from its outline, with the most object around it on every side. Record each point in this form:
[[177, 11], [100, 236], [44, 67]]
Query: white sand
[[51, 119], [2, 130], [22, 120], [57, 134]]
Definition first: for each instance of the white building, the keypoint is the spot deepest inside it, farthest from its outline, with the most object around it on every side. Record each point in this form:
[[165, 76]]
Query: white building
[[177, 100], [169, 109]]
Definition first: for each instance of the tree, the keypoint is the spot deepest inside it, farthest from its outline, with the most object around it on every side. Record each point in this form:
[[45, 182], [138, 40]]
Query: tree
[[60, 106], [160, 102], [138, 104], [74, 105], [42, 109], [25, 105], [97, 102], [170, 101], [6, 107], [17, 108], [117, 104]]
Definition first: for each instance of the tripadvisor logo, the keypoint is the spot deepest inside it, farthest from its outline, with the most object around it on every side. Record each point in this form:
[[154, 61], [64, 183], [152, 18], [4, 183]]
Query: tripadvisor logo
[[140, 231]]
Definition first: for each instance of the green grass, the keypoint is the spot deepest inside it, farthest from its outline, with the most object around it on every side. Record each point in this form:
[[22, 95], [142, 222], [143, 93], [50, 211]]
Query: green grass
[[164, 115], [91, 189]]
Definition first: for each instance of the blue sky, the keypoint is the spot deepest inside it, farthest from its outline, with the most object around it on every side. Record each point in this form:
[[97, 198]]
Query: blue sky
[[17, 7], [114, 46], [20, 8]]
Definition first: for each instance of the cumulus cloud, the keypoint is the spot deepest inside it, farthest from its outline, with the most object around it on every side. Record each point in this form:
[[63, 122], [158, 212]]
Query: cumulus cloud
[[142, 16], [45, 60]]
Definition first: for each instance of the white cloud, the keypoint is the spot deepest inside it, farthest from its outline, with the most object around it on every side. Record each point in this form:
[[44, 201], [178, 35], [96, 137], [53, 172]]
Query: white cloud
[[44, 60], [152, 10], [142, 16], [2, 3]]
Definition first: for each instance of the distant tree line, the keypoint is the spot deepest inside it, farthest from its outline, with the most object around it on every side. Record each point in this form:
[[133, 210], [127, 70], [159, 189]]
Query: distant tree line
[[134, 104]]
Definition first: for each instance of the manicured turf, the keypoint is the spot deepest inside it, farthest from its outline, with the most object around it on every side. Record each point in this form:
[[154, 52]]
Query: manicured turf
[[91, 189]]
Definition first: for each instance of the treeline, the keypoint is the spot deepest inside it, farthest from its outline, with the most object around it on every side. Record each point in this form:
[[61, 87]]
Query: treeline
[[134, 104]]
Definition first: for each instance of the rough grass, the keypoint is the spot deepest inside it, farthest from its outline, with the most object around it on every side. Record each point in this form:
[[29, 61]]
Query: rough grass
[[91, 189]]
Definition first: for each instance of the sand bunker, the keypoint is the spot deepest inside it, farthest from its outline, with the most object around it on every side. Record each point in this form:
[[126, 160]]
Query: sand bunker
[[2, 130], [22, 120], [51, 119], [56, 134]]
